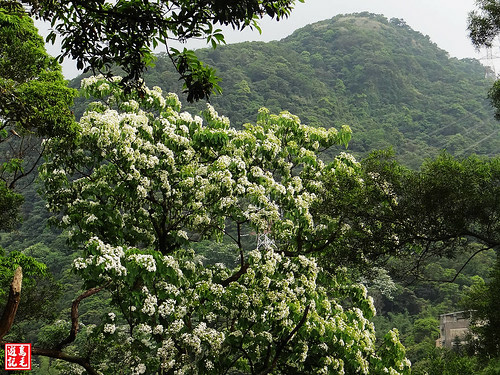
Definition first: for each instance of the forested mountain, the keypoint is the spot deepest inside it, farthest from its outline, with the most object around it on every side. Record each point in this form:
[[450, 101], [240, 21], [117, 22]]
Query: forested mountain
[[391, 84]]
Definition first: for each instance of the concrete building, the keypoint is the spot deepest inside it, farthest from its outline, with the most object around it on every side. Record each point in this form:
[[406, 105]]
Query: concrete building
[[451, 326]]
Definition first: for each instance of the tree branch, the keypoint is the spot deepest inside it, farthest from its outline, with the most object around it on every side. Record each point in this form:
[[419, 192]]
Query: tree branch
[[74, 315], [23, 174], [54, 353], [10, 313], [236, 276], [57, 354], [461, 268], [283, 343], [10, 310]]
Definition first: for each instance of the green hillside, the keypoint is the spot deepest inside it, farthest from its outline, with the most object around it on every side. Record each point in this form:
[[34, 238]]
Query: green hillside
[[391, 84]]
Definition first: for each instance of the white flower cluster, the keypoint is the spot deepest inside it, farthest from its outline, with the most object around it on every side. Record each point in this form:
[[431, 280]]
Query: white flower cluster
[[150, 304], [167, 308], [107, 258], [144, 260], [109, 328], [91, 81], [139, 369]]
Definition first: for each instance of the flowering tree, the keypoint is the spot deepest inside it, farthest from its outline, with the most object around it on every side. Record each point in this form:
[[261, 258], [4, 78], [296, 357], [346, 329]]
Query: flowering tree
[[143, 180]]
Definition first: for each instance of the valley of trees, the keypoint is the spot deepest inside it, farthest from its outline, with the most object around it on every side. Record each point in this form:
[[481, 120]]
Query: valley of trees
[[351, 196]]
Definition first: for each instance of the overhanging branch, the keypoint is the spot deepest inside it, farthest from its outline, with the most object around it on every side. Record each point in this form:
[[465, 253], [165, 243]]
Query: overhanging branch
[[57, 354], [236, 276], [74, 315]]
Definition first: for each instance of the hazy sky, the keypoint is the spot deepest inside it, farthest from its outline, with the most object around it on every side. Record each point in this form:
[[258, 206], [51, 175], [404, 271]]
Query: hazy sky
[[445, 21]]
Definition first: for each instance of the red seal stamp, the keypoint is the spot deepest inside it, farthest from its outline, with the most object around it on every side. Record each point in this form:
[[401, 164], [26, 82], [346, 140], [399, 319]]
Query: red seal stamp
[[18, 356]]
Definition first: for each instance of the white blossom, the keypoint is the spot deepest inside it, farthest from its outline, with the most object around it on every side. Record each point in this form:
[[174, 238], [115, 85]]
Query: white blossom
[[109, 328], [144, 260]]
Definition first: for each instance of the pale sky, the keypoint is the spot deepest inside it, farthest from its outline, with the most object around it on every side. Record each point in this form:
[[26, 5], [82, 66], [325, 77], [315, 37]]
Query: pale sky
[[445, 21]]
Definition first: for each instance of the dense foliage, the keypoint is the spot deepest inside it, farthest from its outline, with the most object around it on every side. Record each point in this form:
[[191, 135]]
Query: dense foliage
[[34, 102], [484, 27], [483, 23], [449, 207]]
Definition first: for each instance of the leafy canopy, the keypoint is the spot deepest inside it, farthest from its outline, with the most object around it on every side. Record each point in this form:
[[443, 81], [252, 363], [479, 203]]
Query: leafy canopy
[[34, 100], [484, 27], [483, 23], [33, 94]]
